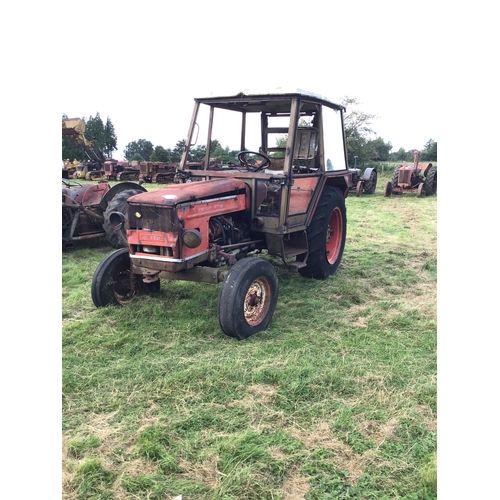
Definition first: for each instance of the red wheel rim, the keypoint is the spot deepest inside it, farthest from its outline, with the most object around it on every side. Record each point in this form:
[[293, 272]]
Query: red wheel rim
[[334, 236]]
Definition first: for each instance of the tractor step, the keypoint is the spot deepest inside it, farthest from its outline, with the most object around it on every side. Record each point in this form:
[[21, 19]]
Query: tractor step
[[297, 263], [291, 251]]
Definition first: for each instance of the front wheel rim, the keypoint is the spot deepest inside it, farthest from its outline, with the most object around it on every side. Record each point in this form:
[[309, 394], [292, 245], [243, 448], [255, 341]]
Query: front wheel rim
[[257, 301], [121, 288], [334, 236]]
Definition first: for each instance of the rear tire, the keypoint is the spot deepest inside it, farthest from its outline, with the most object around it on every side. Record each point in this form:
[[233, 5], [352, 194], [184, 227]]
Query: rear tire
[[431, 182], [371, 184], [395, 177], [248, 298], [118, 238], [326, 235], [111, 282]]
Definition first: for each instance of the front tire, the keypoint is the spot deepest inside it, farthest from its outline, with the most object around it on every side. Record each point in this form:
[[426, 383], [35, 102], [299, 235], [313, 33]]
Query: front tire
[[248, 298], [112, 280], [326, 235], [118, 238]]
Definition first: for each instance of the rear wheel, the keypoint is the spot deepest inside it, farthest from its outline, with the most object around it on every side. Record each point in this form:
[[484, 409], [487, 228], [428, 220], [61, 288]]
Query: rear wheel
[[395, 177], [118, 237], [248, 298], [326, 235], [112, 281], [371, 184], [431, 182]]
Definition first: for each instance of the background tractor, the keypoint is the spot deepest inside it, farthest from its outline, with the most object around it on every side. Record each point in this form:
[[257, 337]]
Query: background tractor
[[97, 167], [220, 223], [417, 178], [86, 211], [157, 172], [363, 181], [93, 168]]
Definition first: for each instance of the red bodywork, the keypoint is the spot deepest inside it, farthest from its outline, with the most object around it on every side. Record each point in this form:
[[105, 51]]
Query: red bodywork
[[185, 206]]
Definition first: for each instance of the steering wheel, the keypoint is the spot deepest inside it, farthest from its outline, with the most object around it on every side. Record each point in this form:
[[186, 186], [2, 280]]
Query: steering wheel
[[69, 184], [250, 163]]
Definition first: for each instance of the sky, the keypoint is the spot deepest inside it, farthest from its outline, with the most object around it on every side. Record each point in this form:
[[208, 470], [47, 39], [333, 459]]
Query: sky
[[142, 66]]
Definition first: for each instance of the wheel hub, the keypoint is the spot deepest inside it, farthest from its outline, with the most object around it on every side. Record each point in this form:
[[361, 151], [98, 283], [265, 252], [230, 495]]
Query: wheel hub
[[256, 301]]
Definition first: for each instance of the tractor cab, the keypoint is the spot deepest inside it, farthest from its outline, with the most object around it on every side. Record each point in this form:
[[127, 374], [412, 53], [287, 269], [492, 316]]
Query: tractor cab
[[286, 146]]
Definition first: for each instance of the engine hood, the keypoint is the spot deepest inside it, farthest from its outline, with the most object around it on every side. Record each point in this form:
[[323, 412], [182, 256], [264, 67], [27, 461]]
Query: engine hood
[[175, 194]]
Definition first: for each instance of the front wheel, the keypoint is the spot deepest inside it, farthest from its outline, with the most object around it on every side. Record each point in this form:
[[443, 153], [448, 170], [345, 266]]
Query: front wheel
[[326, 235], [388, 189], [359, 188], [248, 298], [113, 283]]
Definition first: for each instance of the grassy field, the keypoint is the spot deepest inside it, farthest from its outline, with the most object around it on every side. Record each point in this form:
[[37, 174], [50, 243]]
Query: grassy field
[[335, 400]]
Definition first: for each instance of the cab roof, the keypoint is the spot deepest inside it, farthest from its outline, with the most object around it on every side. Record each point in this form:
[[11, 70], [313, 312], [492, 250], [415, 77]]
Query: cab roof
[[272, 100]]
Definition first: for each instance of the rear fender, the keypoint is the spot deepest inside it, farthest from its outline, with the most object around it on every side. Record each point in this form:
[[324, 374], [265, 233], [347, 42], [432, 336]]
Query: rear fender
[[367, 173], [118, 188], [427, 167], [343, 182]]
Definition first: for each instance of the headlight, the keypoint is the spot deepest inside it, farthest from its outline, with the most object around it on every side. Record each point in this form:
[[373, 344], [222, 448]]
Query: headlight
[[191, 238]]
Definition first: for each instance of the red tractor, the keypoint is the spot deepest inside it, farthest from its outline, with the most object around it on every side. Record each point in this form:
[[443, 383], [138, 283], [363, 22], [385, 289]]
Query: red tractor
[[219, 222], [417, 178], [115, 170]]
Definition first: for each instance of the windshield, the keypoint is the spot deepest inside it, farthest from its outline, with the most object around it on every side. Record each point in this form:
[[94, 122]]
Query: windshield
[[333, 140]]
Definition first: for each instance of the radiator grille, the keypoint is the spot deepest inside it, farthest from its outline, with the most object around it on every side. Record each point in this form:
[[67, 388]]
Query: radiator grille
[[152, 218], [404, 176]]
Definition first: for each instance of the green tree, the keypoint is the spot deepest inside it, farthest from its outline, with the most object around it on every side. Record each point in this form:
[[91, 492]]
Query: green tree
[[379, 150], [401, 155], [141, 147], [94, 131], [225, 154], [197, 153], [429, 153], [109, 138], [70, 149], [161, 154], [178, 150], [136, 157], [358, 129]]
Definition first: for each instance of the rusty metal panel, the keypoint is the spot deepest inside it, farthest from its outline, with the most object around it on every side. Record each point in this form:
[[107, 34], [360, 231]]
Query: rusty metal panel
[[175, 194]]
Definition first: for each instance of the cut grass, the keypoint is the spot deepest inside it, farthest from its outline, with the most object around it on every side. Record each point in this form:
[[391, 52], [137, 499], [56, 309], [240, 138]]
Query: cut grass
[[336, 399]]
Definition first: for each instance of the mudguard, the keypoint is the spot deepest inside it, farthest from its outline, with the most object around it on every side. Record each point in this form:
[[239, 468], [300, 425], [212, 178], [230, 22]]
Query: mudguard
[[367, 173], [118, 188]]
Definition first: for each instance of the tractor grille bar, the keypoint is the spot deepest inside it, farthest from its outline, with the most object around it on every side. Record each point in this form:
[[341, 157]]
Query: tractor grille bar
[[404, 176], [152, 218]]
